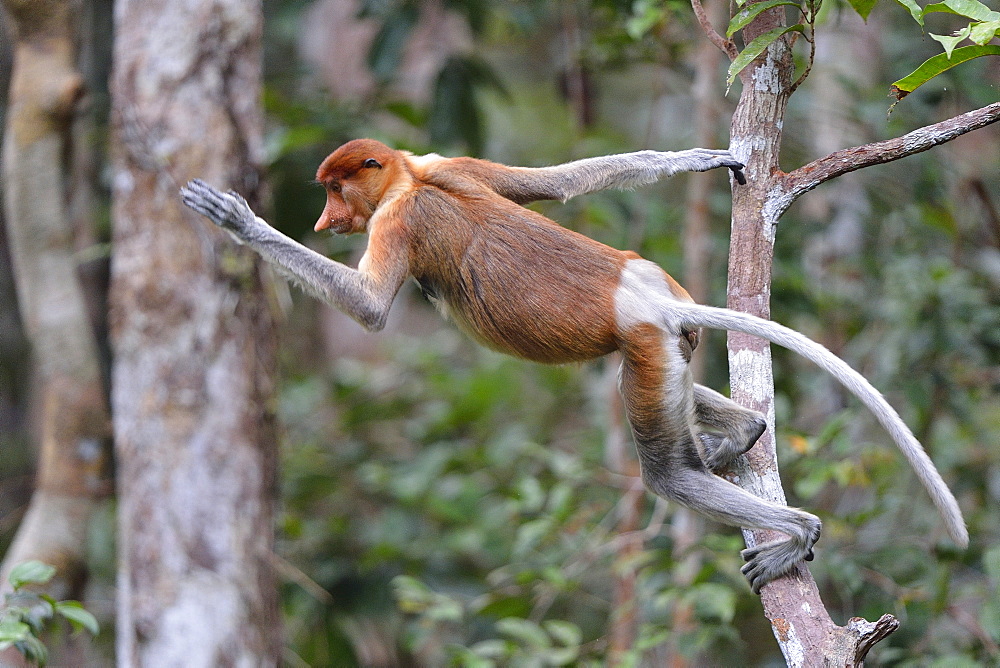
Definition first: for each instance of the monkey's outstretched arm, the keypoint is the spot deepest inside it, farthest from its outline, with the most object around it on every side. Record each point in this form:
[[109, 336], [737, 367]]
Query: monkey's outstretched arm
[[365, 294], [622, 171]]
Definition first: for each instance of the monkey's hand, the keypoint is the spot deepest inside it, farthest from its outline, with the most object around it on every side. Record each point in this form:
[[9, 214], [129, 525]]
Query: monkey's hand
[[227, 210], [704, 159]]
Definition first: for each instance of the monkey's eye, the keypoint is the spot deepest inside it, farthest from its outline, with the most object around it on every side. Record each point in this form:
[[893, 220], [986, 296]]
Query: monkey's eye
[[372, 162], [335, 187]]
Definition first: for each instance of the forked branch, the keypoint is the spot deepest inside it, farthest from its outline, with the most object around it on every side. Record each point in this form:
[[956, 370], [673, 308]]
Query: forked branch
[[727, 46], [807, 177]]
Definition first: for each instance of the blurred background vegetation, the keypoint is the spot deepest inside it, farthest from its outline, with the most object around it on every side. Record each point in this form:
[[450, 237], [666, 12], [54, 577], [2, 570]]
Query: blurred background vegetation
[[443, 505]]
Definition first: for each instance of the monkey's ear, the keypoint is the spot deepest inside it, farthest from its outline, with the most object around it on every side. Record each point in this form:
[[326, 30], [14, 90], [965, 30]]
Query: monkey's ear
[[372, 162]]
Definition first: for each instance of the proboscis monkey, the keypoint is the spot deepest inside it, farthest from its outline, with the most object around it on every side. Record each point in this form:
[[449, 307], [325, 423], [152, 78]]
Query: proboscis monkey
[[519, 283]]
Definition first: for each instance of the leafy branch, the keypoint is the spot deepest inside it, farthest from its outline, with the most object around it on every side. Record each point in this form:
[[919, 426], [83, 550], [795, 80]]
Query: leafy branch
[[808, 10], [983, 27], [25, 614]]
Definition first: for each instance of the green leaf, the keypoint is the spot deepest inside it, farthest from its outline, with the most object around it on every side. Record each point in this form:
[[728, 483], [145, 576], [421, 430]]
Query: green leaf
[[78, 617], [507, 606], [34, 650], [646, 15], [530, 495], [937, 7], [973, 9], [31, 572], [560, 501], [748, 14], [407, 112], [530, 534], [713, 601], [490, 649], [981, 33], [914, 9], [12, 631], [935, 65], [863, 7], [949, 42], [567, 633], [411, 594], [757, 47], [650, 636], [469, 659], [559, 656], [528, 632]]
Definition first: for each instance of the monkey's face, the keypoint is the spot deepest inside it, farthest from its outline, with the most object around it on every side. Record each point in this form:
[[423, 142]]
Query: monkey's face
[[356, 177], [345, 212]]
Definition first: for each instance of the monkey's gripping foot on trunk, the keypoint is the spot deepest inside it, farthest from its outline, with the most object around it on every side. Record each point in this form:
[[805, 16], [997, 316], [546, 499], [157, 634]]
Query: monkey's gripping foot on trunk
[[772, 560]]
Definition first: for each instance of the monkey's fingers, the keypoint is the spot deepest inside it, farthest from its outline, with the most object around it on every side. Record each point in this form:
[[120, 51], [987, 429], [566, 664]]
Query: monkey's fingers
[[227, 210], [738, 174], [704, 159], [204, 199], [197, 190], [238, 197]]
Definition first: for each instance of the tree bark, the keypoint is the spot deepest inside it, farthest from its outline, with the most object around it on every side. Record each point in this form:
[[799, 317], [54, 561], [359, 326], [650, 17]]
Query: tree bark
[[194, 344], [74, 424], [798, 617]]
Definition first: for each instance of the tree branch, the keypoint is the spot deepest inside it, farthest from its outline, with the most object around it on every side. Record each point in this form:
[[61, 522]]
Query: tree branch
[[807, 177], [865, 634], [727, 46]]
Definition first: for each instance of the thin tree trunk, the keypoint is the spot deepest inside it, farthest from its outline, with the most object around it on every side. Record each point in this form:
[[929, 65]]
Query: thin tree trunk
[[801, 624], [805, 633], [74, 424], [801, 628], [194, 346]]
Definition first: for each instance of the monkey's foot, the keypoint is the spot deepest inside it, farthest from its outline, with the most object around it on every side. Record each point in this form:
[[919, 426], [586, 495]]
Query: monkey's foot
[[719, 451], [772, 560], [714, 450], [227, 210]]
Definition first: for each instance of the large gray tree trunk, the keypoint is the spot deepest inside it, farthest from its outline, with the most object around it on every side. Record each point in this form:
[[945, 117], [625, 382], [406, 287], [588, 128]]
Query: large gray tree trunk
[[193, 341]]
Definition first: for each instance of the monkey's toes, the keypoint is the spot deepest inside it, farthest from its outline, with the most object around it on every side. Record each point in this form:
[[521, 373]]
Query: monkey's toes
[[772, 560]]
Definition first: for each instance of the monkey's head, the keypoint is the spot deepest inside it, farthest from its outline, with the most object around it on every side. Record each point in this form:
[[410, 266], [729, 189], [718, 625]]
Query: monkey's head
[[356, 177]]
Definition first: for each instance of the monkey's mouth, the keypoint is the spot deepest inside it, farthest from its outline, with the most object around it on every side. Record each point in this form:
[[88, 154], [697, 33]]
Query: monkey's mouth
[[341, 226]]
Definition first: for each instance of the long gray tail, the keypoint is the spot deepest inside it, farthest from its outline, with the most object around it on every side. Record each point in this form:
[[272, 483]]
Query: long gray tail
[[697, 315]]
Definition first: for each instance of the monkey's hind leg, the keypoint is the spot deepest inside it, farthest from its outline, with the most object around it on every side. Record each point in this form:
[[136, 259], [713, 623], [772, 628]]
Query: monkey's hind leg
[[660, 403]]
